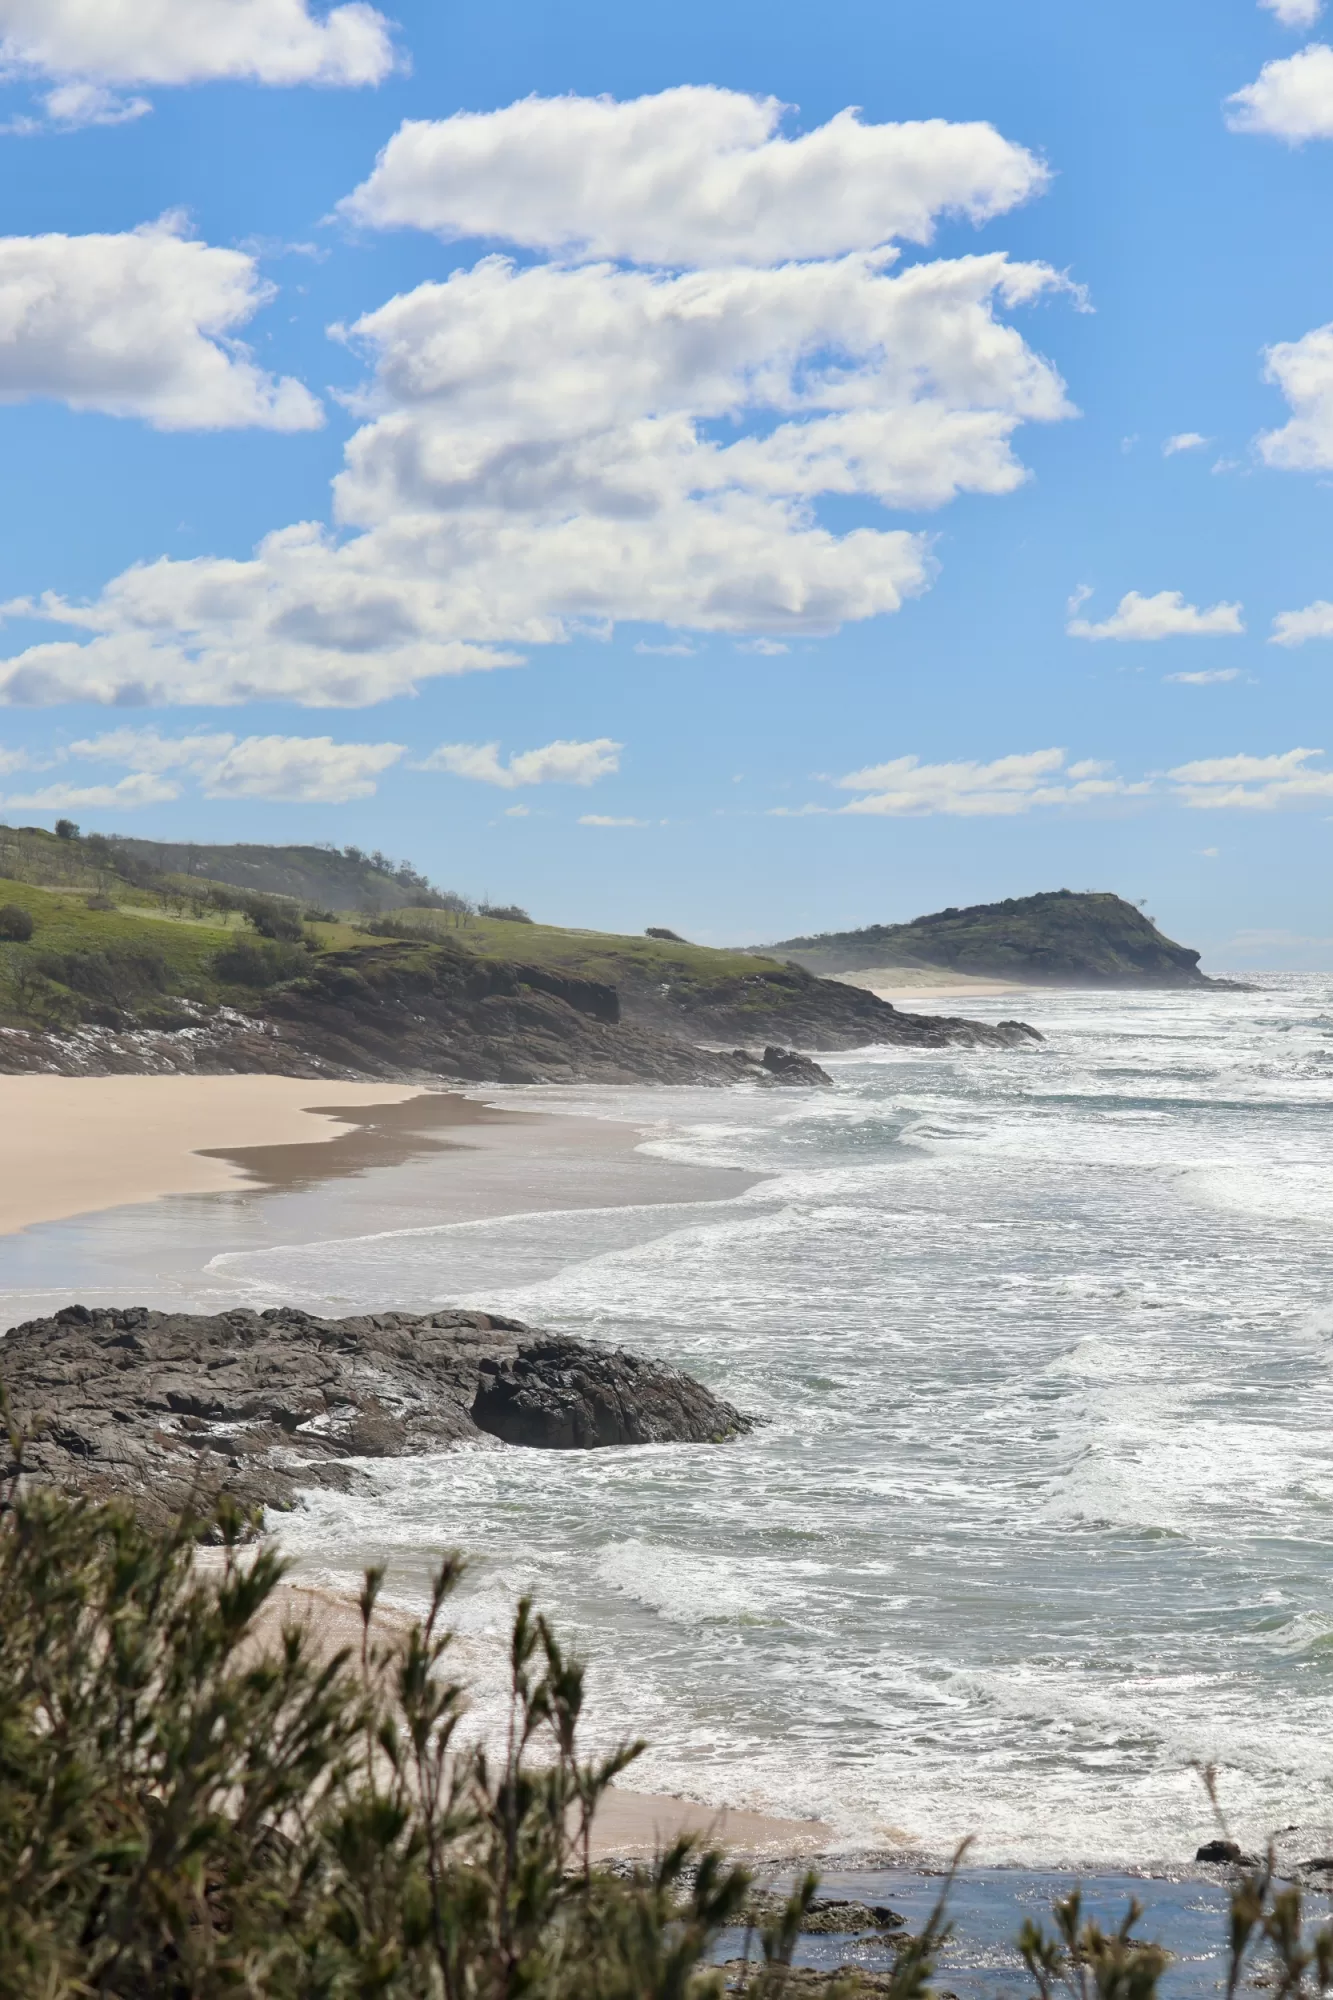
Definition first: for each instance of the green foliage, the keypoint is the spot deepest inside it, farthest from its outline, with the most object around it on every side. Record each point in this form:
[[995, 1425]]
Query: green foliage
[[248, 963], [189, 1812], [15, 922]]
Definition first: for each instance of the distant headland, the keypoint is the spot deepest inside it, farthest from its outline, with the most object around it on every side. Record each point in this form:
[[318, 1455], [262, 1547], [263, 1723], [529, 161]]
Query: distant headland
[[1061, 937]]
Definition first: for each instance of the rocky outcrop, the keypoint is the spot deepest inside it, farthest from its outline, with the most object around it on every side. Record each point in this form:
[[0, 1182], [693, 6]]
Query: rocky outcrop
[[407, 1010], [785, 1066], [1060, 937], [166, 1407]]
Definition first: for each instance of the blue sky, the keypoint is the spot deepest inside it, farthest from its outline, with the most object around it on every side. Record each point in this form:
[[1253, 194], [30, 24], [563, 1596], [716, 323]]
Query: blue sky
[[657, 408]]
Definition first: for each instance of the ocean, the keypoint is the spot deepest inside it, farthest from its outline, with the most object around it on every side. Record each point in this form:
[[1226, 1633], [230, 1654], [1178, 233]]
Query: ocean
[[1039, 1515]]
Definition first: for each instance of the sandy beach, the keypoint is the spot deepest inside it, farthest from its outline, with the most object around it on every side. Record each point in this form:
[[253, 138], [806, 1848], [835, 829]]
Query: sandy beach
[[908, 986], [630, 1824], [73, 1146]]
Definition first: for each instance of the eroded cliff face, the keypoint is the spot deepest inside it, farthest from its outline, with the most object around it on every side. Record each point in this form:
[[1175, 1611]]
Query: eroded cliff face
[[432, 1010], [169, 1409]]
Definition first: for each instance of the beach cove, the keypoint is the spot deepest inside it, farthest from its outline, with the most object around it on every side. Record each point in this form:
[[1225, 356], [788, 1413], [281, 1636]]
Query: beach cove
[[1036, 1517]]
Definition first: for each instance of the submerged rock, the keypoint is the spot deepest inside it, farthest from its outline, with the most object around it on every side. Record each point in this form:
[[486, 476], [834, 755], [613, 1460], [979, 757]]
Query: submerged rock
[[164, 1407]]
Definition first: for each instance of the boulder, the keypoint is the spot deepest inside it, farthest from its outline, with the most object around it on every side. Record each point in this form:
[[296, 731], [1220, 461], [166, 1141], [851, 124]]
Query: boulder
[[166, 1407]]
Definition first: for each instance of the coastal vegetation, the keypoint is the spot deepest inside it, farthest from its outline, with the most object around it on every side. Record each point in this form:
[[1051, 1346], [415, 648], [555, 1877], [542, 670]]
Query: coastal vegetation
[[1061, 937], [190, 1809], [100, 941]]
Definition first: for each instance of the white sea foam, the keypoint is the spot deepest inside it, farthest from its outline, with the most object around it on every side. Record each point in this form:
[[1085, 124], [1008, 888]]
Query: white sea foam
[[1041, 1508]]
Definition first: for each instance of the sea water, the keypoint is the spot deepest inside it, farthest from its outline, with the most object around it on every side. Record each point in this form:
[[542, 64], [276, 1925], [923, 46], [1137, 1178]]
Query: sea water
[[1039, 1515]]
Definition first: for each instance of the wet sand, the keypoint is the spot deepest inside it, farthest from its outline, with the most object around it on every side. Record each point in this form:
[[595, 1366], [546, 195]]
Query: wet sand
[[77, 1146]]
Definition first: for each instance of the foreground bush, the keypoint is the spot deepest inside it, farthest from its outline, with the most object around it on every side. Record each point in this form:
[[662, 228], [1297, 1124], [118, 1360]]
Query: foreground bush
[[188, 1813], [185, 1811]]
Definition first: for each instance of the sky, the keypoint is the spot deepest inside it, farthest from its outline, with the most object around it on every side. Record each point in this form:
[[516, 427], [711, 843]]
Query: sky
[[750, 469]]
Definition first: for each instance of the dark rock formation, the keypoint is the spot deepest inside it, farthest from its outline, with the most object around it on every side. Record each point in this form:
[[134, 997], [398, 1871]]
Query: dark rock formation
[[787, 1066], [1224, 1851], [409, 1009], [163, 1406]]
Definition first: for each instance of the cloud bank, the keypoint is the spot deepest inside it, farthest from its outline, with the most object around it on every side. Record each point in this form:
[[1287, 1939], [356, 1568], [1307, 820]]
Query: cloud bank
[[87, 45], [559, 447], [1254, 784], [691, 176], [140, 325], [905, 788]]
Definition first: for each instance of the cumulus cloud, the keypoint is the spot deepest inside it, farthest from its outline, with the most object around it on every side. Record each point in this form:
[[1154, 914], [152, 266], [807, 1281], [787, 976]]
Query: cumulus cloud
[[1293, 628], [559, 763], [560, 447], [1255, 784], [1210, 677], [905, 788], [694, 175], [1291, 99], [1294, 13], [1165, 616], [305, 770], [140, 324], [88, 45], [1183, 441], [1303, 371]]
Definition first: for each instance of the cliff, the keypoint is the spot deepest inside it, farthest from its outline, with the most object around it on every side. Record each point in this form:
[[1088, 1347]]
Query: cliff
[[1057, 938]]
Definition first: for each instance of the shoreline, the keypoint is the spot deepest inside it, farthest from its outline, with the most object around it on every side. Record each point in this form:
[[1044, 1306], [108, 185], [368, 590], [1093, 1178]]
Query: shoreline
[[73, 1147]]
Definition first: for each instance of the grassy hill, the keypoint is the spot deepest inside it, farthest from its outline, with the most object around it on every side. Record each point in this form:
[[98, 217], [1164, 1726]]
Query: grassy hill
[[339, 879], [1059, 937]]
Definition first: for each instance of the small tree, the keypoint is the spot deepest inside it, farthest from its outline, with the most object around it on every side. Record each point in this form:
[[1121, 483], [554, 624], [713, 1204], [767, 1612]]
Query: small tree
[[66, 830]]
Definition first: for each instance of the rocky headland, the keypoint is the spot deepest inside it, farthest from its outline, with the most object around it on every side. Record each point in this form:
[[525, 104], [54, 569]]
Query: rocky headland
[[1060, 937], [169, 1409]]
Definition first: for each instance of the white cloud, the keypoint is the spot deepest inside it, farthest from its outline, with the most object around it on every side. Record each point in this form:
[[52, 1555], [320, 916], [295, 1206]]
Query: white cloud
[[766, 648], [559, 763], [1210, 677], [554, 449], [1294, 13], [605, 819], [1256, 784], [694, 175], [306, 770], [678, 649], [1183, 441], [139, 789], [905, 788], [1293, 628], [141, 324], [83, 44], [1165, 616], [1303, 370], [1291, 99], [71, 106]]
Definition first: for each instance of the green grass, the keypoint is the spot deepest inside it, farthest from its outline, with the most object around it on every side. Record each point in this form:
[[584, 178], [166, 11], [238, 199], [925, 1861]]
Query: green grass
[[589, 954]]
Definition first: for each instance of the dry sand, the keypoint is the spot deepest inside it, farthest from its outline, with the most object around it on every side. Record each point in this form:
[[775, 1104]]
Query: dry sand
[[76, 1145], [908, 985]]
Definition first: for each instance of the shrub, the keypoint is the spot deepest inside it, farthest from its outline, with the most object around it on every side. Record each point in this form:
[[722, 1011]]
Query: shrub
[[66, 830], [670, 937], [117, 976], [274, 919], [508, 913], [15, 923], [188, 1811], [246, 963]]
